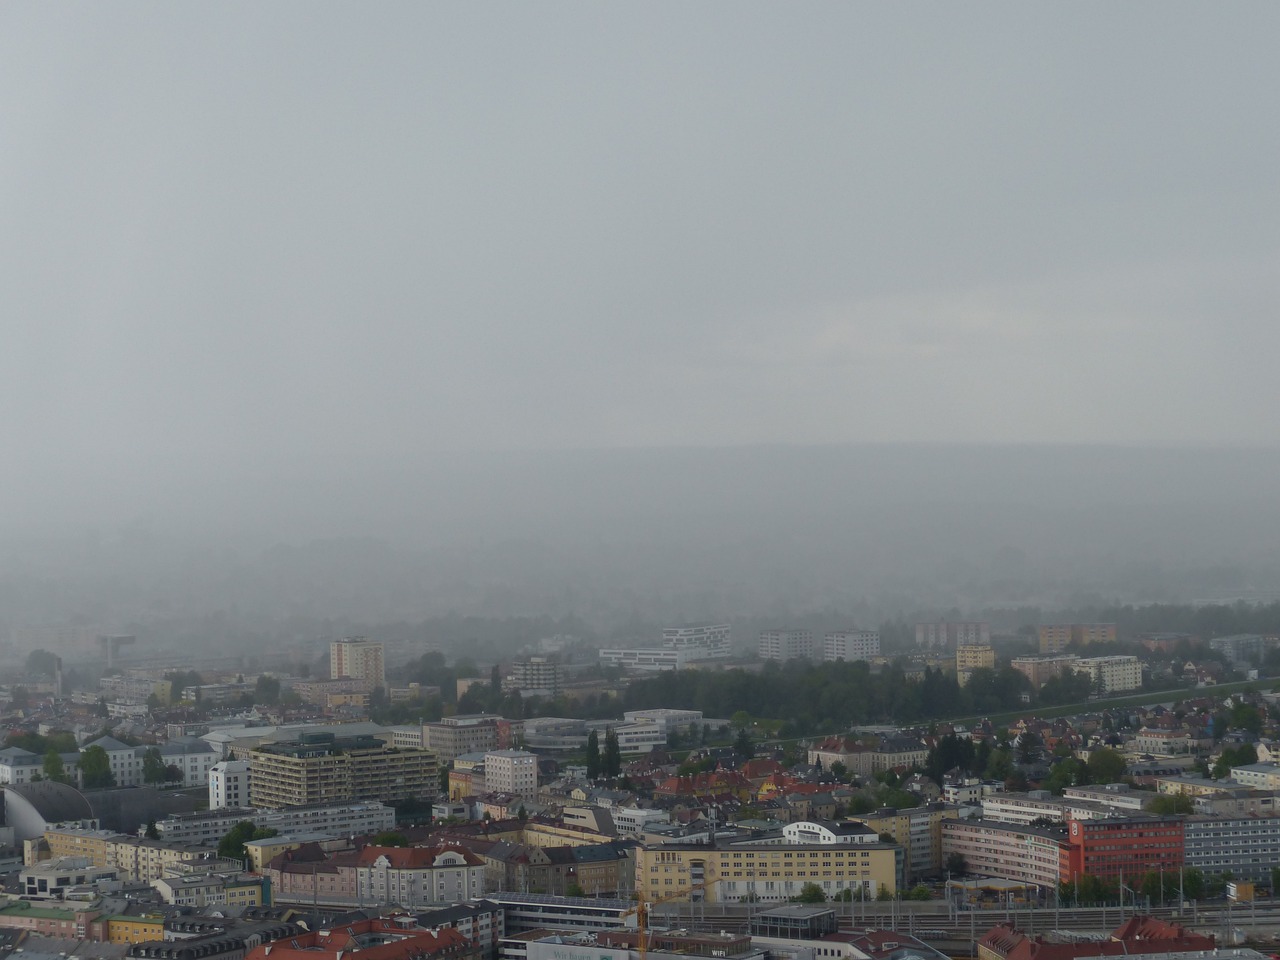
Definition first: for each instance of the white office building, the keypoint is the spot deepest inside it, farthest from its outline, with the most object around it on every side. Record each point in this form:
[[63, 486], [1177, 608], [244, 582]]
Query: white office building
[[229, 784], [699, 641], [851, 645], [784, 645], [512, 771]]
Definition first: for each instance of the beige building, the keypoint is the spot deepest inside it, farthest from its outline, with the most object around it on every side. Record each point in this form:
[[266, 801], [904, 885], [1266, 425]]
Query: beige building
[[763, 871], [1039, 670], [918, 831], [357, 657], [971, 657], [1056, 637], [1111, 674], [134, 858], [470, 733], [321, 768]]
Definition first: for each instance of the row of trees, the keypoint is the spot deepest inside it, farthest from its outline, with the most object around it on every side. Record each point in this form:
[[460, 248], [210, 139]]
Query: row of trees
[[606, 763]]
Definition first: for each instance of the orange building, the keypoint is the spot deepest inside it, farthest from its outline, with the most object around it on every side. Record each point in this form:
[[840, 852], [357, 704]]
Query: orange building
[[1129, 847]]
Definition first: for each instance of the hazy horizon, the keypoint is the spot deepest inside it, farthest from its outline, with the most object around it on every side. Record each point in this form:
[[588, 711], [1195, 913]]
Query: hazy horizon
[[658, 309]]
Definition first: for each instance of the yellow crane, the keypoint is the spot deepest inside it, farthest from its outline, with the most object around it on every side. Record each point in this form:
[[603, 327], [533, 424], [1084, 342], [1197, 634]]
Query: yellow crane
[[641, 912]]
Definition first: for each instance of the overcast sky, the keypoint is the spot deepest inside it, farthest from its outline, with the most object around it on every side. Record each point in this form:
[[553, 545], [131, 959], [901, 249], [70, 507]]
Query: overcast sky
[[289, 232]]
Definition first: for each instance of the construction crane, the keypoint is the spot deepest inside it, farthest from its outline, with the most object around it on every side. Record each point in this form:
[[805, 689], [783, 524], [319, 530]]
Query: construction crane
[[641, 912]]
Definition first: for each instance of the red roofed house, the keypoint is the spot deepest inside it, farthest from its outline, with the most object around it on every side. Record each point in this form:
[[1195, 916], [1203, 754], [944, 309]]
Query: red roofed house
[[418, 876], [395, 938], [1134, 937]]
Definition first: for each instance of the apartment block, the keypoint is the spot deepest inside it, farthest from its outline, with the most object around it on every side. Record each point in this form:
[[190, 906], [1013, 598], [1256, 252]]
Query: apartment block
[[851, 645], [470, 733], [971, 657], [1111, 674], [1039, 670], [949, 634], [512, 771], [784, 645], [357, 657], [1056, 637], [535, 677], [321, 768]]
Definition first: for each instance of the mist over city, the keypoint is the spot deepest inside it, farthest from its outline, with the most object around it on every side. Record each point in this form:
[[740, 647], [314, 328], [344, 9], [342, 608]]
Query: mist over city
[[630, 482]]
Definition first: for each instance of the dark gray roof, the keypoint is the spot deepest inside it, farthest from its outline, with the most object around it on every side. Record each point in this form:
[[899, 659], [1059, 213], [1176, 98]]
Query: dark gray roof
[[54, 801]]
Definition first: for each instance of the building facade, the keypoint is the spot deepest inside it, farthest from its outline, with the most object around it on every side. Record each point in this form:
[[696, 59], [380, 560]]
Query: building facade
[[1111, 674], [512, 771], [357, 657], [229, 784], [324, 769], [784, 645], [851, 645], [971, 657], [699, 641]]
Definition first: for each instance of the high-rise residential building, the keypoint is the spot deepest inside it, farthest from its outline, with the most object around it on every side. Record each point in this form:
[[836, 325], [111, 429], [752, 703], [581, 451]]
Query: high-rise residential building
[[786, 645], [949, 634], [851, 645], [1056, 637], [535, 677], [512, 771], [357, 657], [971, 657], [321, 768], [229, 784], [699, 641]]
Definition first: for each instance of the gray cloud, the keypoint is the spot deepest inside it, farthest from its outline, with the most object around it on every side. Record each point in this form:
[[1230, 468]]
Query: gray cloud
[[239, 239]]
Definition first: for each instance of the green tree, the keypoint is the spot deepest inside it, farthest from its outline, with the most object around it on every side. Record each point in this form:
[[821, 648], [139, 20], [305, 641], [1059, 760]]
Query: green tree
[[883, 893], [742, 745], [153, 766], [1068, 772], [1106, 765], [574, 889], [1166, 804], [266, 689], [390, 838], [1193, 885], [956, 864], [152, 833], [54, 769], [593, 755], [612, 759], [42, 662], [231, 846], [918, 892], [810, 893], [95, 768], [1240, 756]]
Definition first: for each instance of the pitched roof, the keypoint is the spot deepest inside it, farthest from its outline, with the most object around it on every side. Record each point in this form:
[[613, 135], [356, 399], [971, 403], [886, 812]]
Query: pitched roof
[[415, 858]]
